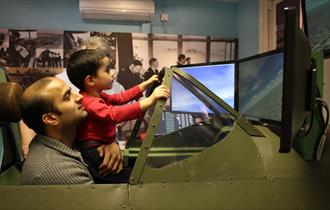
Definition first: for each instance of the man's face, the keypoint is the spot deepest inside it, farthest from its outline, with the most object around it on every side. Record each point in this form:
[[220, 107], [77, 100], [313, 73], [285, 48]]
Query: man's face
[[136, 69], [182, 61], [104, 77], [66, 102], [155, 64]]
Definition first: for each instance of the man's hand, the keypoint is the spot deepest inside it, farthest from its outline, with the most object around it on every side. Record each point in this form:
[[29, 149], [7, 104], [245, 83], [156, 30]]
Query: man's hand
[[144, 85], [112, 159]]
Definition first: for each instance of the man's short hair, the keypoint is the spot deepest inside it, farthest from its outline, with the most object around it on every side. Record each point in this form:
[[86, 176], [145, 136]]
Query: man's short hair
[[152, 60], [83, 63], [136, 62], [181, 56], [96, 42], [34, 105]]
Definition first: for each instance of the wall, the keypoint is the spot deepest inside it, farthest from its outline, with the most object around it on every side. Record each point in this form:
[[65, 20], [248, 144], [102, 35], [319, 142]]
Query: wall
[[198, 17], [248, 27], [230, 18], [185, 17], [50, 14]]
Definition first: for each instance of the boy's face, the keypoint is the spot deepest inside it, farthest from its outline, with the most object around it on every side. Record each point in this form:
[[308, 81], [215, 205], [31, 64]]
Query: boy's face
[[114, 72], [104, 77]]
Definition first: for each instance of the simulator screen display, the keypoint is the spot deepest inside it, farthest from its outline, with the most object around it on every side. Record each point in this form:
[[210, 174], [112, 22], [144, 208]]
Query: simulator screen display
[[318, 24], [260, 81], [219, 78]]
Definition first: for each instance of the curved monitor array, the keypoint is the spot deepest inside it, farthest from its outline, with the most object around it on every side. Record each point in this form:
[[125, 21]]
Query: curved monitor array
[[278, 86]]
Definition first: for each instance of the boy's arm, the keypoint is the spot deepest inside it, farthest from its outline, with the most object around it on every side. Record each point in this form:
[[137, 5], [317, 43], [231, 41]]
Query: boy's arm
[[97, 108], [123, 97], [144, 85], [133, 93]]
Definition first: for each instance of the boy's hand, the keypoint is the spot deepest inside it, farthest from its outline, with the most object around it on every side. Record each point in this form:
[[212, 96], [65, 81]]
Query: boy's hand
[[144, 85], [160, 92], [112, 159]]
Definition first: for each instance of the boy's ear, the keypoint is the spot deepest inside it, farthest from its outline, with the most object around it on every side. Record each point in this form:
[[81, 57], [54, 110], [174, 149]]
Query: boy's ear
[[50, 119], [89, 81]]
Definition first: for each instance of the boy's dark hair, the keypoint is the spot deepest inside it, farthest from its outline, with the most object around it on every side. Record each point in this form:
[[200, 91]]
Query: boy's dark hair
[[152, 60], [181, 56], [33, 105], [83, 63], [136, 62]]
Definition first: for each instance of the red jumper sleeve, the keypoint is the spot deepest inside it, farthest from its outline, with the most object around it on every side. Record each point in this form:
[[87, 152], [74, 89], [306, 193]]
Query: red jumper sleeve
[[123, 97], [97, 108]]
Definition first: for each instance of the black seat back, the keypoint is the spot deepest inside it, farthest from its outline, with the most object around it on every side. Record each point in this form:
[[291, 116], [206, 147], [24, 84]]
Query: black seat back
[[10, 94]]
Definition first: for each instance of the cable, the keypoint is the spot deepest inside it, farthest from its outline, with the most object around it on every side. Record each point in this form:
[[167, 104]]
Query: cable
[[321, 143], [326, 107]]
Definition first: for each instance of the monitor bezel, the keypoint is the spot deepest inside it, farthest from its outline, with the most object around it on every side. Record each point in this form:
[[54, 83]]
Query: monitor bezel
[[295, 100], [211, 64], [250, 58]]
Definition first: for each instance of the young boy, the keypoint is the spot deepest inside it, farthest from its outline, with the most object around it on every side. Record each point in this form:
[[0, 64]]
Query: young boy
[[89, 71]]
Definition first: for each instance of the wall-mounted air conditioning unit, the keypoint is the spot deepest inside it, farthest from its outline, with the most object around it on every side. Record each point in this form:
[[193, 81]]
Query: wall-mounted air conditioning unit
[[138, 10]]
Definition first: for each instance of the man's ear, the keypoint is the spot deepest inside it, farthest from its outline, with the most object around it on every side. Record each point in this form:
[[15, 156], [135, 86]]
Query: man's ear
[[50, 119], [89, 81]]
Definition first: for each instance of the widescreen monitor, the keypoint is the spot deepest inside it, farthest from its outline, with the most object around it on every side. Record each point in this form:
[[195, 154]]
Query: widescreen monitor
[[299, 80], [217, 77], [317, 23], [260, 81]]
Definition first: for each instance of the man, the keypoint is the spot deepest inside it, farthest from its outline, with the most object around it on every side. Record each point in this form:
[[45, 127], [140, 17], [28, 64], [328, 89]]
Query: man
[[112, 157], [188, 60], [53, 114], [153, 69], [181, 60], [131, 76]]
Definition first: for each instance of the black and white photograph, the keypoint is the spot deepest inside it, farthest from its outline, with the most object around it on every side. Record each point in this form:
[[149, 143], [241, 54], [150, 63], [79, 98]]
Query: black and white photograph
[[26, 76], [4, 44], [112, 45], [49, 58], [72, 40], [22, 48], [50, 39]]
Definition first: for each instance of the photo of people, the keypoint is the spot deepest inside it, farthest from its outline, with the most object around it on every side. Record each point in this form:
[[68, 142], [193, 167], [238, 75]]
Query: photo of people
[[4, 44], [22, 46], [26, 76], [49, 58], [72, 40]]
